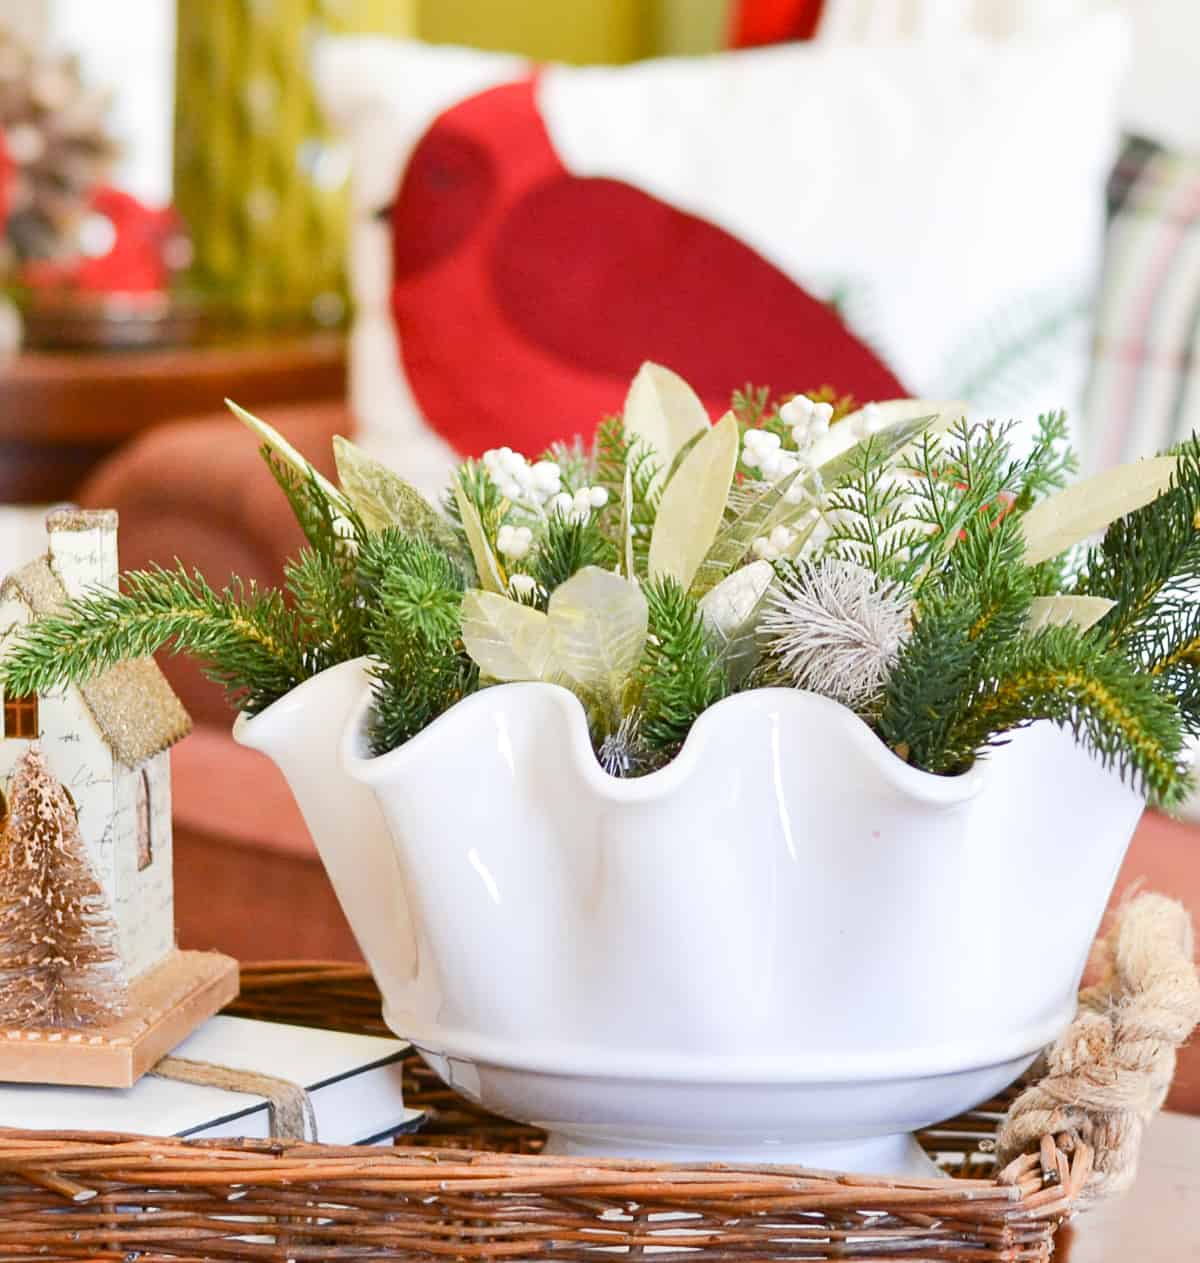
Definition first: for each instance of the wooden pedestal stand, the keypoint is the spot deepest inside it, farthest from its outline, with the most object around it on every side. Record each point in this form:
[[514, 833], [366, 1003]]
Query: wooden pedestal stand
[[165, 1005]]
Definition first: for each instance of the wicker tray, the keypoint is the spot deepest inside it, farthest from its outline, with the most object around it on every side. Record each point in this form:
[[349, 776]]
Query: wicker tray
[[472, 1186]]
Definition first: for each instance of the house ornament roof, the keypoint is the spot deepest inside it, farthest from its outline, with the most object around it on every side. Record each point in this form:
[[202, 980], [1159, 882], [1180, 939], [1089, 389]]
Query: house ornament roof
[[133, 705]]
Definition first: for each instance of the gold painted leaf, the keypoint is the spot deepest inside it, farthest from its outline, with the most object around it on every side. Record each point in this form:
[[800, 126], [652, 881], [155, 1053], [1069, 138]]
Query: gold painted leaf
[[693, 504], [665, 412], [1061, 611], [738, 532], [382, 498], [508, 641], [1069, 517], [490, 577], [284, 450], [731, 612], [599, 620]]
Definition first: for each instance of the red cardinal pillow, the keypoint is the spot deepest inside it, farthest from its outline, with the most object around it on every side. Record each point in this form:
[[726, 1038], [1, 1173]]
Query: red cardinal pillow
[[905, 220]]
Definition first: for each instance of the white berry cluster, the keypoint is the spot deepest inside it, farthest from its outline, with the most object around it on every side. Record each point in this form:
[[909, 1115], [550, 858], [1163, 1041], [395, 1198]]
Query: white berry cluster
[[514, 542], [764, 451], [772, 547], [538, 488], [808, 421], [519, 481], [522, 586], [581, 504]]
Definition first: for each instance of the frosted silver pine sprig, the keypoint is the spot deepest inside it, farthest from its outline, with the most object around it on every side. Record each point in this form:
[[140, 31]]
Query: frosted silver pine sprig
[[622, 752], [835, 628]]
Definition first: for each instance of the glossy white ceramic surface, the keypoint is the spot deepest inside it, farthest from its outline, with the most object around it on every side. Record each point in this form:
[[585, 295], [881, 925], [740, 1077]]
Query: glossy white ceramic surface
[[300, 733], [786, 945]]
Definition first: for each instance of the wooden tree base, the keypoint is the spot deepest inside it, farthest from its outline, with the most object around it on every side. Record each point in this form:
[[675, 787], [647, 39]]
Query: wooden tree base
[[165, 1005]]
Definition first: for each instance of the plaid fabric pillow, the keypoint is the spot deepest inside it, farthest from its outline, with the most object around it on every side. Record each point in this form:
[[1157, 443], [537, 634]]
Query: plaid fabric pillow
[[1144, 393]]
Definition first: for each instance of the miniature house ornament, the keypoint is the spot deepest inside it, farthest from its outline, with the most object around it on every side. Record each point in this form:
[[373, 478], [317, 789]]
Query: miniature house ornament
[[92, 987]]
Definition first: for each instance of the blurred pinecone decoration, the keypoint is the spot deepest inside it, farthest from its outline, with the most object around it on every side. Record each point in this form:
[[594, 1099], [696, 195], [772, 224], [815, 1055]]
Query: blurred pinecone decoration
[[52, 129]]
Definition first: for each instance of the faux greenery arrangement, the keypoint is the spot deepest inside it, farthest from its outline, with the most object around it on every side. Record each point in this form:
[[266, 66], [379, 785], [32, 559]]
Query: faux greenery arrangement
[[894, 558]]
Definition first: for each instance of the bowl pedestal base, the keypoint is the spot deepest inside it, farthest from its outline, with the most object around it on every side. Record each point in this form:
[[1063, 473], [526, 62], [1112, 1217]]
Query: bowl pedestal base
[[899, 1155]]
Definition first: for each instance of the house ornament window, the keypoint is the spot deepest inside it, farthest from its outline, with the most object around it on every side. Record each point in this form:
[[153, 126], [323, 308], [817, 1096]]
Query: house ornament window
[[21, 716]]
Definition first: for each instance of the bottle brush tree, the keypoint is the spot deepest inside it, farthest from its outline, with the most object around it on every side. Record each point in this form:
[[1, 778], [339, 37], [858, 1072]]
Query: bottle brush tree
[[59, 966]]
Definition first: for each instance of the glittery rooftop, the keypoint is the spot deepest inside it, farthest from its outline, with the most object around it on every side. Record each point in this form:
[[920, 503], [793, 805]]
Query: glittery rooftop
[[132, 703]]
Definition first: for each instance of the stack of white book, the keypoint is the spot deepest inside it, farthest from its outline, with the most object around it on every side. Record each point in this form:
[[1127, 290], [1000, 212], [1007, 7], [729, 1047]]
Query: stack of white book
[[353, 1082]]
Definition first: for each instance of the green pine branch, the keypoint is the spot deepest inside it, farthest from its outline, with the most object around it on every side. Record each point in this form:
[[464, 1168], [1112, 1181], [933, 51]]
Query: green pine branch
[[931, 679], [330, 525], [1069, 678], [331, 612], [413, 634], [1146, 559], [683, 670], [247, 639], [954, 692], [567, 545]]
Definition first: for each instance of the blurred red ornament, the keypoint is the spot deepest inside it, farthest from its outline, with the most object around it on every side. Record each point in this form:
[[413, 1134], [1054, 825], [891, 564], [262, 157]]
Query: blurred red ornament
[[7, 170], [126, 247], [758, 22]]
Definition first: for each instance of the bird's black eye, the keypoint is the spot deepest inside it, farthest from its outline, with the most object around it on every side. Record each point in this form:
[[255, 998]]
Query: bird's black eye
[[448, 186]]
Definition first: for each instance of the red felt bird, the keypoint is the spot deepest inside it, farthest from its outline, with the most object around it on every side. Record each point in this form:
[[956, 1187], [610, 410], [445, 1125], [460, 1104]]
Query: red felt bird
[[525, 297]]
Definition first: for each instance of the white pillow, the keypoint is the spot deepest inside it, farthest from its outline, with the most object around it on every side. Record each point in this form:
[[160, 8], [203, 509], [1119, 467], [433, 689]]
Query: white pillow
[[1159, 99], [948, 197]]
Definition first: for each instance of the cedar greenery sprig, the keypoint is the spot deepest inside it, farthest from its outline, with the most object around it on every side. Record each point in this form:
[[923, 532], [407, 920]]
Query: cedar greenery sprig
[[620, 457]]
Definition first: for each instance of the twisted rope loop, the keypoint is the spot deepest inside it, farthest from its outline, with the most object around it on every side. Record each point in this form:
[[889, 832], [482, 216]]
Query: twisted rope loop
[[1110, 1070]]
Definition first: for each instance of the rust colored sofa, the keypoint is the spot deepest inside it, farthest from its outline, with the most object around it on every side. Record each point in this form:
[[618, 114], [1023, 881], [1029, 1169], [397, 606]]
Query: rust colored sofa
[[248, 879]]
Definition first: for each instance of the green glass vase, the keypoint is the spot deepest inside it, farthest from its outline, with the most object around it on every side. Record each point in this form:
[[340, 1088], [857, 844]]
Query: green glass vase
[[259, 180]]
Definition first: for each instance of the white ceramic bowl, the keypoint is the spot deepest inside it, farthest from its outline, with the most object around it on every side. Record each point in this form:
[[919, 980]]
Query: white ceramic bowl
[[787, 945]]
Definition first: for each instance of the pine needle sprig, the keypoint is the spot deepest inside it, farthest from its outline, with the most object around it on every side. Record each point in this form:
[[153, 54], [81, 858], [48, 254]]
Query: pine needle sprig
[[987, 566], [412, 685], [1148, 561], [751, 405], [567, 544], [1176, 659], [247, 639], [413, 635], [326, 600], [1067, 676], [931, 679], [417, 585], [331, 527], [683, 672]]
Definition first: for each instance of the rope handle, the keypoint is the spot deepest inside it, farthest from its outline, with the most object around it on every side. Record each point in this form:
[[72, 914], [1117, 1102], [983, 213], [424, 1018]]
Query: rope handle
[[1109, 1072]]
